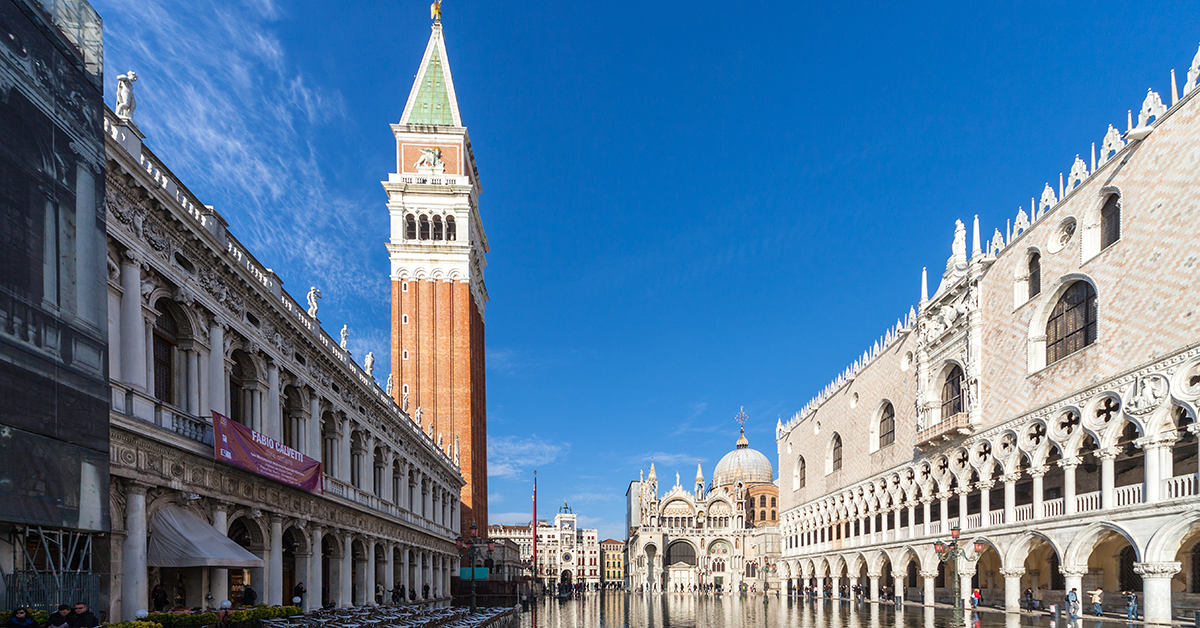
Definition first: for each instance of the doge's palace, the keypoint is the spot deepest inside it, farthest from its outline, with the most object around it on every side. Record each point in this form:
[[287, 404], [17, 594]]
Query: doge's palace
[[1041, 402]]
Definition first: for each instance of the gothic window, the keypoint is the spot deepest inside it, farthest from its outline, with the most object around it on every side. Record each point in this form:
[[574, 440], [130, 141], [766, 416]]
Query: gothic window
[[952, 401], [799, 479], [424, 231], [1130, 580], [451, 231], [238, 396], [437, 227], [166, 343], [887, 426], [1035, 274], [1110, 221], [836, 453], [1072, 324], [1196, 568], [410, 227]]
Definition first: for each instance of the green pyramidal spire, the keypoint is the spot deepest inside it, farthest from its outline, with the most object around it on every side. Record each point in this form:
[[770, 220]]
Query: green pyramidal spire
[[432, 98]]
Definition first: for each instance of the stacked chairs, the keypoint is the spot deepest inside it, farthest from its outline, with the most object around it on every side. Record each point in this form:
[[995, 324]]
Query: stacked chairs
[[400, 617]]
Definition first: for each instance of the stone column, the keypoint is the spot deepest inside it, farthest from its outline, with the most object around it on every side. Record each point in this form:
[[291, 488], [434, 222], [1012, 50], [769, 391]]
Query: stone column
[[897, 587], [218, 582], [928, 579], [344, 458], [1010, 497], [874, 580], [370, 572], [1108, 477], [1156, 590], [216, 369], [1037, 475], [274, 588], [389, 575], [962, 506], [135, 590], [985, 502], [193, 382], [405, 577], [389, 462], [316, 571], [274, 423], [925, 509], [965, 573], [1012, 588], [1068, 466], [148, 319], [944, 511], [347, 575], [1073, 579], [912, 519], [314, 439], [133, 333]]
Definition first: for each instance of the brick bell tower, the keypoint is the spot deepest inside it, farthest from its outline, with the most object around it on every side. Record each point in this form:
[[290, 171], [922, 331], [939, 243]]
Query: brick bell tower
[[437, 250]]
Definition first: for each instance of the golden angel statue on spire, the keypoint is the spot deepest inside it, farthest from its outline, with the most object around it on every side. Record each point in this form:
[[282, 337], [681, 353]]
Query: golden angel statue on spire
[[435, 11]]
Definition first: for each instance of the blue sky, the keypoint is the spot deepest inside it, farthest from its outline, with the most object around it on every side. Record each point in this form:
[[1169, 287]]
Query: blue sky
[[692, 207]]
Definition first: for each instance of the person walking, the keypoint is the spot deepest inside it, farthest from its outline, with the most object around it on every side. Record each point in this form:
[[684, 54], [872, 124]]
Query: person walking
[[1028, 599], [158, 597], [1097, 601], [975, 597], [1073, 603], [1131, 604], [379, 594]]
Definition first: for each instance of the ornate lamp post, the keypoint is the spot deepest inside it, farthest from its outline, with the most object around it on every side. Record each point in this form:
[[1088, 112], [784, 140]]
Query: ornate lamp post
[[948, 552], [471, 549]]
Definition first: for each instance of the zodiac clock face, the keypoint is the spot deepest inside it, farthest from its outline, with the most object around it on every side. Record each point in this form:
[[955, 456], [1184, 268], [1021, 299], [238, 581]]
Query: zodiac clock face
[[566, 557]]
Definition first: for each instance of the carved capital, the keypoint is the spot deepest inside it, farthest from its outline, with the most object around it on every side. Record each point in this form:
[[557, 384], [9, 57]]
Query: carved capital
[[1070, 463], [1012, 572], [1037, 472], [1073, 570], [1108, 453], [1011, 477], [874, 575], [1157, 570], [929, 575], [986, 485]]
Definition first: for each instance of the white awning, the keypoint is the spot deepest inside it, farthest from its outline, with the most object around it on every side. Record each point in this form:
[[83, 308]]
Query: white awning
[[179, 538]]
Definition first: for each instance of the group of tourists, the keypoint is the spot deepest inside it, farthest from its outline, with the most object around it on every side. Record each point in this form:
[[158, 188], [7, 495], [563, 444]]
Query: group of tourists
[[66, 617], [1097, 599]]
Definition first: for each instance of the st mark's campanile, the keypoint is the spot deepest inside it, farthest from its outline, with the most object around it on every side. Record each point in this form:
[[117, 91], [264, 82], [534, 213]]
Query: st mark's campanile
[[437, 250]]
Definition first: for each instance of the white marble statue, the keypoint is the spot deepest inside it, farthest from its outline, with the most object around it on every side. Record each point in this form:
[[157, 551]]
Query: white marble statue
[[430, 158], [313, 295], [417, 415], [369, 362], [388, 388], [404, 403], [345, 335], [125, 101]]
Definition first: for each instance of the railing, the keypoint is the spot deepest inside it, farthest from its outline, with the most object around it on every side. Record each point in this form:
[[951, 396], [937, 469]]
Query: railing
[[1128, 495], [944, 428], [935, 527], [975, 521], [1087, 502], [1023, 513], [192, 428], [889, 535], [1179, 486], [996, 517], [953, 523], [1053, 507]]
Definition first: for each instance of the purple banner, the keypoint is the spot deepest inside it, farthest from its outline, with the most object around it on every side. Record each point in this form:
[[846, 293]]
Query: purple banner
[[241, 446]]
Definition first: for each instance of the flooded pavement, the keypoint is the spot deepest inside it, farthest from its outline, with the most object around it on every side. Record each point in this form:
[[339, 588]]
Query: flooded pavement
[[684, 610]]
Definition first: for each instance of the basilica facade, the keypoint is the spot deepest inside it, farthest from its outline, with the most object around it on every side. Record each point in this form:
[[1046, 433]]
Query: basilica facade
[[724, 536], [1040, 403]]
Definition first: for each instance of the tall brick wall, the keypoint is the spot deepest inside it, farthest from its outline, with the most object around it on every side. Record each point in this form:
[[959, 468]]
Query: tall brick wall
[[445, 373]]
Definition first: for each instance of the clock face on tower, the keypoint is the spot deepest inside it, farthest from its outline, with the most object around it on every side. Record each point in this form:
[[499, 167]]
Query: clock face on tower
[[566, 557]]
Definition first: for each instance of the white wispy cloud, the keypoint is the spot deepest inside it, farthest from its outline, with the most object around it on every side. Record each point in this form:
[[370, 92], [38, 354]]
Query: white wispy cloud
[[664, 459], [224, 106], [511, 456], [591, 498]]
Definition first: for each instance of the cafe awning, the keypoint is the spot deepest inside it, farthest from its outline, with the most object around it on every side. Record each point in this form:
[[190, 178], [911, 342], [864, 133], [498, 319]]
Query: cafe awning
[[178, 538]]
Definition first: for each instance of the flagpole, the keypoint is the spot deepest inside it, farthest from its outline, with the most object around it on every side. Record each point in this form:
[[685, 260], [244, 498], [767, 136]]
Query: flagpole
[[533, 532]]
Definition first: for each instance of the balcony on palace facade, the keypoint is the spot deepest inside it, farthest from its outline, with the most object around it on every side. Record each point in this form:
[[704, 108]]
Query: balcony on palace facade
[[1049, 510], [945, 429]]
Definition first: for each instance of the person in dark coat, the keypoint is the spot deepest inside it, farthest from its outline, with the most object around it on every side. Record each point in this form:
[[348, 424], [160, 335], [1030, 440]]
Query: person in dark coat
[[249, 597], [82, 617], [158, 597], [21, 618], [299, 591], [61, 619]]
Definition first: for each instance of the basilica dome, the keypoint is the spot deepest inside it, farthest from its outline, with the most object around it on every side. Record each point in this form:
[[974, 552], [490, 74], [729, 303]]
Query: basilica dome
[[745, 465]]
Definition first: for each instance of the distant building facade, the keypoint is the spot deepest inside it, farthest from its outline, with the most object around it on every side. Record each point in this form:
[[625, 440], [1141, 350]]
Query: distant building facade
[[725, 536], [566, 554], [612, 556], [1042, 401]]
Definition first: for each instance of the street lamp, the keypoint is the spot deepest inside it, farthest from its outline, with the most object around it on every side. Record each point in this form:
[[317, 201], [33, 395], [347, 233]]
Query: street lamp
[[947, 552], [471, 549]]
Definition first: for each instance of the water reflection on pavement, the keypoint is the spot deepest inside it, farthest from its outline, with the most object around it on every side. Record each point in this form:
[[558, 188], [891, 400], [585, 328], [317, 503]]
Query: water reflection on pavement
[[685, 610]]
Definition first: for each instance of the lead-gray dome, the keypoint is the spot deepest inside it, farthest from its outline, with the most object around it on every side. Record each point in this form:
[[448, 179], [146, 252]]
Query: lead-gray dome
[[745, 465]]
